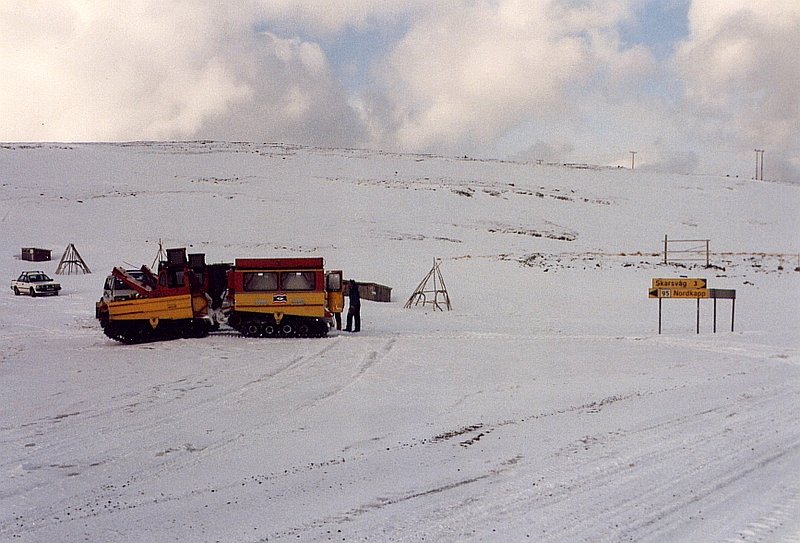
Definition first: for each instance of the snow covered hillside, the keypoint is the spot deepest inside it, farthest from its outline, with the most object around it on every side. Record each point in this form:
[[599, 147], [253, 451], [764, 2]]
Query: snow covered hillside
[[544, 407]]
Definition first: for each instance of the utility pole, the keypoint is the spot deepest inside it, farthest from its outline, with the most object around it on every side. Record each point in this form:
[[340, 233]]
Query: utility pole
[[757, 151], [633, 159], [759, 159]]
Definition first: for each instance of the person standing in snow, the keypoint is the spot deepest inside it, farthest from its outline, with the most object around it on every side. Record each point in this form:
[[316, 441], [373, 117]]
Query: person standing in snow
[[354, 311]]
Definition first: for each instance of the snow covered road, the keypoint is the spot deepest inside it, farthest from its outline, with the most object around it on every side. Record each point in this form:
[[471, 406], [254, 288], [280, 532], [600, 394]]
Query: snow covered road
[[399, 438]]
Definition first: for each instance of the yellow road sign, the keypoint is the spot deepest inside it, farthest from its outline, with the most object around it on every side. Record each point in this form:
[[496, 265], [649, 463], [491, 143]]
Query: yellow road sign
[[679, 283], [679, 293]]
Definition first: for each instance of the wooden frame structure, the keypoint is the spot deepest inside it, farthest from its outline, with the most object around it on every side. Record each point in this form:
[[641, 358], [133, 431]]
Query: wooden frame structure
[[424, 295], [71, 262], [161, 256], [695, 252]]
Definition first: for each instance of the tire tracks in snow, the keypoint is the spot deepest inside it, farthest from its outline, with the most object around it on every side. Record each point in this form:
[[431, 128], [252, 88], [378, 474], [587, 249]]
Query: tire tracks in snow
[[160, 396], [372, 358], [628, 490], [773, 525], [120, 495]]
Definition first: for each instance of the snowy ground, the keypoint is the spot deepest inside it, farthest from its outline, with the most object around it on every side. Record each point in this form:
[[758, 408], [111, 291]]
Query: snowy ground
[[544, 407]]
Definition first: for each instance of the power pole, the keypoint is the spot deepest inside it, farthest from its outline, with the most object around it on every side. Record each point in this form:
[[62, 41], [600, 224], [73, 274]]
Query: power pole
[[759, 159], [633, 159], [756, 176]]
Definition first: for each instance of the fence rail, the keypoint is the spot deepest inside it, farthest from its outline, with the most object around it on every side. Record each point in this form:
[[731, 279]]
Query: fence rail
[[684, 252]]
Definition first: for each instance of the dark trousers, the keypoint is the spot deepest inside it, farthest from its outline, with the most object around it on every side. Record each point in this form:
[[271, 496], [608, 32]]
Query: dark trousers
[[354, 313]]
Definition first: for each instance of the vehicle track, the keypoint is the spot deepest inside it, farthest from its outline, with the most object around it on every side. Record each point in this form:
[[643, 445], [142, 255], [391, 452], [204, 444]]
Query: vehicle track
[[546, 486], [168, 463], [543, 490], [121, 496], [372, 358]]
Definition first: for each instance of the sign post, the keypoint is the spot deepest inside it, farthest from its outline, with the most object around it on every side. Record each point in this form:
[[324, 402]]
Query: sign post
[[659, 316], [690, 288], [715, 315], [724, 294], [698, 315]]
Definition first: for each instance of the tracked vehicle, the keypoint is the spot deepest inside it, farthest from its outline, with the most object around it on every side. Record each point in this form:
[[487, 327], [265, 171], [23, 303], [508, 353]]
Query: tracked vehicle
[[257, 297], [171, 304]]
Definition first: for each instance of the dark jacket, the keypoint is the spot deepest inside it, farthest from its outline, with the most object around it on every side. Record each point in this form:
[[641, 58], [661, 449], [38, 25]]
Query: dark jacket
[[354, 295]]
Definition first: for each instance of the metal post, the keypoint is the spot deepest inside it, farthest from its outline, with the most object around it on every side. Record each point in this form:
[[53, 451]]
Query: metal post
[[708, 255], [715, 315], [733, 312], [698, 315], [665, 248], [659, 316]]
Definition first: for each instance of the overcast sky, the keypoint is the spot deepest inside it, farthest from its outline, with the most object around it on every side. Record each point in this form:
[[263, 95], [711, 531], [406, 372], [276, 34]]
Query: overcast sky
[[694, 86]]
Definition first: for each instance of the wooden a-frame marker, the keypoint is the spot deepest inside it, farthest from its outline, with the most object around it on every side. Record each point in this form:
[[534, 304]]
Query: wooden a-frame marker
[[424, 295], [161, 256], [71, 262]]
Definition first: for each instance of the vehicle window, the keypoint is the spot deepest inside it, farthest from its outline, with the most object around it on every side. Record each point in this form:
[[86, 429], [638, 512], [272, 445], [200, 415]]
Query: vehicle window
[[334, 281], [175, 279], [147, 280], [198, 277], [297, 280], [260, 281]]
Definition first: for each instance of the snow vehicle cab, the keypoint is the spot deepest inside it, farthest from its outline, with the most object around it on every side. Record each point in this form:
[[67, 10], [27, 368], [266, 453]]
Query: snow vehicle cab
[[115, 290], [171, 304]]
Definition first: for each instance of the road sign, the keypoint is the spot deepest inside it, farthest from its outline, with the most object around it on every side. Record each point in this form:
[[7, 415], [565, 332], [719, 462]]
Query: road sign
[[679, 283], [686, 288], [679, 293], [723, 293]]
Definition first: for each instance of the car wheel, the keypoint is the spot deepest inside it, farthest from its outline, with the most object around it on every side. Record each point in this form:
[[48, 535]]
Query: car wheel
[[16, 291], [33, 293]]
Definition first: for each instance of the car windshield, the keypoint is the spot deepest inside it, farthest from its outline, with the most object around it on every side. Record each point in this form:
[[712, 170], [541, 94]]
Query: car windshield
[[36, 277]]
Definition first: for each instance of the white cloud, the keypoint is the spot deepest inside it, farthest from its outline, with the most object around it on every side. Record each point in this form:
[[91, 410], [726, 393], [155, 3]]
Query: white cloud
[[296, 97], [463, 77], [490, 77], [333, 16], [77, 70], [85, 70], [741, 72]]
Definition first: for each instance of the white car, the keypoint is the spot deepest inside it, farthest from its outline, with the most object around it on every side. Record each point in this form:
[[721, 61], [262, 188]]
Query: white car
[[35, 283]]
